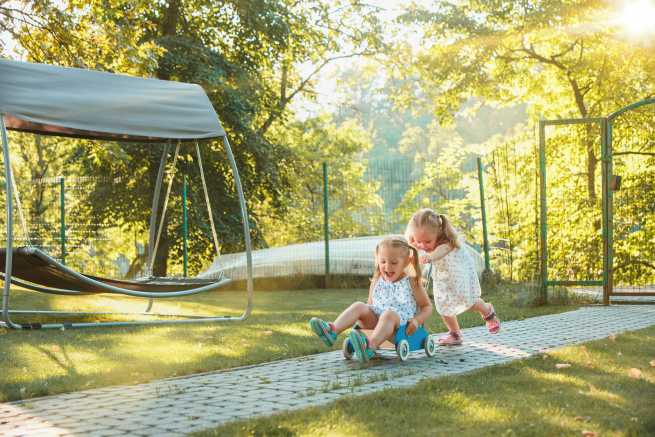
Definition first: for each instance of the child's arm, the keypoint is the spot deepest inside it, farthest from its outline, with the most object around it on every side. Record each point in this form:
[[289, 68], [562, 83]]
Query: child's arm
[[370, 292], [441, 251], [424, 308]]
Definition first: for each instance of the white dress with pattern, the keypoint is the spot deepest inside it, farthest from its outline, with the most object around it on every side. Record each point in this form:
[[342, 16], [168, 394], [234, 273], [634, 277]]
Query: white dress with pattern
[[455, 283], [396, 296]]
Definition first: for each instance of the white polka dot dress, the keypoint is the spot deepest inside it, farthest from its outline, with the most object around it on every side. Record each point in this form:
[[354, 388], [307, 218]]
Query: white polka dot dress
[[455, 282], [396, 296]]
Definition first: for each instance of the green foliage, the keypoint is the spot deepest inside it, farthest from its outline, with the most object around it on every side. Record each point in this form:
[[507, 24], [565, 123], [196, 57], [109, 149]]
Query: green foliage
[[416, 161], [246, 55], [548, 53], [634, 202], [405, 135], [552, 57], [354, 207]]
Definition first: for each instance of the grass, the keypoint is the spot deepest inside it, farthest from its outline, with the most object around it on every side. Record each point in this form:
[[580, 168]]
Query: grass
[[595, 396], [44, 362]]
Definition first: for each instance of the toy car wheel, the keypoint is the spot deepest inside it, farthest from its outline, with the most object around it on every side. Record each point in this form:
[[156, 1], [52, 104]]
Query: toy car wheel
[[430, 346], [347, 349], [402, 349]]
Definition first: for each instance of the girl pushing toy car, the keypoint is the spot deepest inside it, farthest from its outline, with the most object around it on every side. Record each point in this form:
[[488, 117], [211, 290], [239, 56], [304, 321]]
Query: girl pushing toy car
[[455, 281], [394, 299]]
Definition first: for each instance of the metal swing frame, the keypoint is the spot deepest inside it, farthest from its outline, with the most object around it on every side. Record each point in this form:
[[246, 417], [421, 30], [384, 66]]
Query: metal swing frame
[[6, 321]]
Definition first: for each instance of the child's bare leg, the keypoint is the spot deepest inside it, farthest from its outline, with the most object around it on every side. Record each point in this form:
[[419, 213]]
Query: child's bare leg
[[486, 310], [481, 307], [451, 323], [454, 336], [357, 311], [388, 322]]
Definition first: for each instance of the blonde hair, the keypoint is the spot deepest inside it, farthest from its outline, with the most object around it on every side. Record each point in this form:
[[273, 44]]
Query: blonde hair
[[398, 241], [438, 223]]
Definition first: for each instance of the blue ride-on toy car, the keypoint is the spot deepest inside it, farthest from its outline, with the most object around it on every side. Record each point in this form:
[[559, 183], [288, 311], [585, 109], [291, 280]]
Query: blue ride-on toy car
[[402, 343]]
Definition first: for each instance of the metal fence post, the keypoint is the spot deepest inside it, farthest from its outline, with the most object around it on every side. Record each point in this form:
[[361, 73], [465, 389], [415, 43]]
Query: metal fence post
[[605, 128], [543, 211], [185, 227], [485, 237], [326, 226], [62, 219]]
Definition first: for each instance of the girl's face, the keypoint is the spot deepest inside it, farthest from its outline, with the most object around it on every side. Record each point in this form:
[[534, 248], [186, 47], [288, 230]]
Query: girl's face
[[392, 262], [424, 239]]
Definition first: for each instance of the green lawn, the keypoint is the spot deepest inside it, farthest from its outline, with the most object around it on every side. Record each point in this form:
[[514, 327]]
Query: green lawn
[[43, 362], [608, 390]]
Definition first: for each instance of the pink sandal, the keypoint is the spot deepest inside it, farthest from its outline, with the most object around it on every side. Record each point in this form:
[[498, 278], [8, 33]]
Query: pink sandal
[[491, 320], [451, 339]]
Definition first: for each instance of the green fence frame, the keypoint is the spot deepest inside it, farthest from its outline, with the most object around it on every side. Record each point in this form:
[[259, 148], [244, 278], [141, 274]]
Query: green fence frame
[[326, 225], [62, 219], [483, 215], [606, 125]]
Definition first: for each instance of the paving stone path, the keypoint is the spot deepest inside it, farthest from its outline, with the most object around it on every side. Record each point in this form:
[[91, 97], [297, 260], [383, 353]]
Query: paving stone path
[[177, 406]]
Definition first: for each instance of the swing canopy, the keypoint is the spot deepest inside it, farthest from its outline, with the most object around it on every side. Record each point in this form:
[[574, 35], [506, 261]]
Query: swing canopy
[[72, 102]]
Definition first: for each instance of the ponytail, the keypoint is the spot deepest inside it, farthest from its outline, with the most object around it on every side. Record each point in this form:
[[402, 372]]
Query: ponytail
[[416, 279], [438, 223], [448, 232]]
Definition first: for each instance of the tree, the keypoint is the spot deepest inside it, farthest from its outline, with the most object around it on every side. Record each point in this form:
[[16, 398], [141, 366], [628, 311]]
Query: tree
[[355, 208], [417, 161], [539, 52], [246, 55], [561, 58]]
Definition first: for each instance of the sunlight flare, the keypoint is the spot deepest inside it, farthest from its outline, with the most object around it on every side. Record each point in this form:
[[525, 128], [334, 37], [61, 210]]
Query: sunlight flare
[[637, 18]]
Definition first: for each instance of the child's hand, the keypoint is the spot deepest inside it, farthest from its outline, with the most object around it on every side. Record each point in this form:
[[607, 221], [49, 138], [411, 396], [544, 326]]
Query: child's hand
[[424, 259], [412, 326]]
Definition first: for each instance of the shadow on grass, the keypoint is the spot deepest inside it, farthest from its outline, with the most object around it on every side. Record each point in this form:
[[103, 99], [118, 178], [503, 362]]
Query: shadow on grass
[[37, 363], [43, 362]]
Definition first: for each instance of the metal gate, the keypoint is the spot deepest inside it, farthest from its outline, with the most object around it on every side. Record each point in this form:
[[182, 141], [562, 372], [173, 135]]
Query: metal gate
[[631, 273]]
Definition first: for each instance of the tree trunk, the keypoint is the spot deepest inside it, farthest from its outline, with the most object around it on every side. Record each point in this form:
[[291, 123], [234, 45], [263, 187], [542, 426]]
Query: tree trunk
[[37, 172], [592, 159], [592, 163], [160, 267], [168, 27]]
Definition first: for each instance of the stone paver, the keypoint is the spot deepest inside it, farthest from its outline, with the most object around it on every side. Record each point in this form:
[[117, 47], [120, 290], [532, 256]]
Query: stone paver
[[181, 405]]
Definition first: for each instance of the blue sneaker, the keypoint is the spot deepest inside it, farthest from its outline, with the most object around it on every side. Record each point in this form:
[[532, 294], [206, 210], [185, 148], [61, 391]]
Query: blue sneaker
[[359, 343], [324, 330]]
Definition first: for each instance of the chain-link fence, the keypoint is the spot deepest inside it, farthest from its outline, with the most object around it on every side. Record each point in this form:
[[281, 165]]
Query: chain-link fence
[[633, 188], [53, 215], [345, 237], [330, 228]]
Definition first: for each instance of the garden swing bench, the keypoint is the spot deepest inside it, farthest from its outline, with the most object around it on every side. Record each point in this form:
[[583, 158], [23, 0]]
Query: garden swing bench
[[71, 102]]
